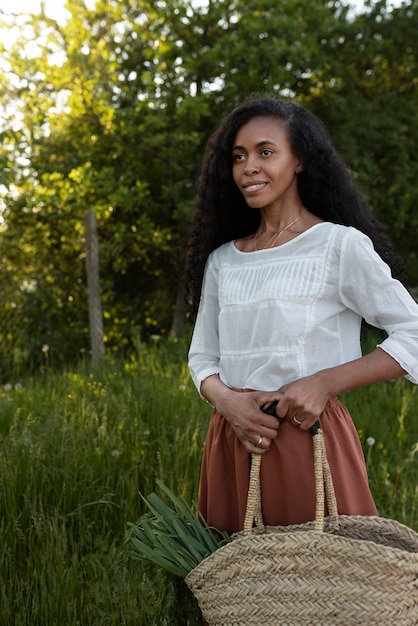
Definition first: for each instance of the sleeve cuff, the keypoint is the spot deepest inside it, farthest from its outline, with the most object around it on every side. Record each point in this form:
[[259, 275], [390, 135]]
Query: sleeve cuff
[[403, 357]]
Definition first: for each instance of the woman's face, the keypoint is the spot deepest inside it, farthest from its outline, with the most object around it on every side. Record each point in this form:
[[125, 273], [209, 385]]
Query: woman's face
[[264, 167]]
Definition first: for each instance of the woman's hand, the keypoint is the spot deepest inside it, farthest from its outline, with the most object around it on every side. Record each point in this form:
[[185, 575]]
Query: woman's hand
[[303, 401], [300, 402], [243, 411], [254, 428]]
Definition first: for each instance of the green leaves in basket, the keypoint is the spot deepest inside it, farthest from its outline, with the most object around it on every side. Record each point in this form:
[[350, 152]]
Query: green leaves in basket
[[176, 539]]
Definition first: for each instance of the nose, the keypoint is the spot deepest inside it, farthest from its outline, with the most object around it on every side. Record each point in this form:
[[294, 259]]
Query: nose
[[251, 166]]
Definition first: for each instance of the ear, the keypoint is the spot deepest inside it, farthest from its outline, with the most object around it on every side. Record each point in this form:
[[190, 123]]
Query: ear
[[299, 167]]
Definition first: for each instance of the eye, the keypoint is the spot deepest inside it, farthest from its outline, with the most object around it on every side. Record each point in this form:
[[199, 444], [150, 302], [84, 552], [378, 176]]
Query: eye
[[238, 157], [266, 152]]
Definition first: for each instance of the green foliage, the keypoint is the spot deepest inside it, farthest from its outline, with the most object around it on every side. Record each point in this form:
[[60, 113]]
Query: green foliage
[[385, 417], [111, 112], [76, 449], [369, 101], [173, 536]]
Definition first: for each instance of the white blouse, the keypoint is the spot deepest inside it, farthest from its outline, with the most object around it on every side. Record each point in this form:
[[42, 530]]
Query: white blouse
[[269, 317]]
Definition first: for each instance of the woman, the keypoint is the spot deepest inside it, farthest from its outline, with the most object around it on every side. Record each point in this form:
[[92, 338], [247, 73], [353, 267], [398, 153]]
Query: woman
[[285, 260]]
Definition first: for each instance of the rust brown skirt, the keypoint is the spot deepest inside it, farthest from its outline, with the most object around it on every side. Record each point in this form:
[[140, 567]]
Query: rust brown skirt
[[287, 480]]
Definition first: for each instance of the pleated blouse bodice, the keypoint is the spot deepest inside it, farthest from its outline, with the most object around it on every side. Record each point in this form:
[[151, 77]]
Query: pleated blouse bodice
[[272, 316]]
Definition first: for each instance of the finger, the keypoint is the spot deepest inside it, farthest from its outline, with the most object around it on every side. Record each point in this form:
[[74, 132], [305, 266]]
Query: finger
[[262, 442], [303, 423], [266, 426], [282, 408], [270, 408], [267, 433], [307, 423], [266, 420], [256, 450]]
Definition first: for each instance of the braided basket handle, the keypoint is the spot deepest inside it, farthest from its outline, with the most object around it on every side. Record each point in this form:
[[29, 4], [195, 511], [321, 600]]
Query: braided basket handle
[[324, 488]]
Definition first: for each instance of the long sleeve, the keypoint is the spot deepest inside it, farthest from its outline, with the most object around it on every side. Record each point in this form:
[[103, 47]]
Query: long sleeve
[[367, 287], [204, 348]]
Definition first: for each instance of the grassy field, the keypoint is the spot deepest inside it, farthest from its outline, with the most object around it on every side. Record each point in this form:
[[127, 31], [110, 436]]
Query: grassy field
[[77, 447]]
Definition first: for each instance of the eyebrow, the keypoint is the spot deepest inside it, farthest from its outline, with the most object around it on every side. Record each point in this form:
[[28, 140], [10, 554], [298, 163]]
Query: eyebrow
[[263, 142]]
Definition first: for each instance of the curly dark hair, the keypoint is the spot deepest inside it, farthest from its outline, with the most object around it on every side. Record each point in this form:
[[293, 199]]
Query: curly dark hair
[[325, 186]]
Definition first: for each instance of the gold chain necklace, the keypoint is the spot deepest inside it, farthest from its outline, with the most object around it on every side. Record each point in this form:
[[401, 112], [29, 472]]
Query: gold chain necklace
[[272, 242]]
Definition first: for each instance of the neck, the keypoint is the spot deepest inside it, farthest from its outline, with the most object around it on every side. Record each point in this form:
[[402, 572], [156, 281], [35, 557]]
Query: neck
[[271, 225], [277, 232]]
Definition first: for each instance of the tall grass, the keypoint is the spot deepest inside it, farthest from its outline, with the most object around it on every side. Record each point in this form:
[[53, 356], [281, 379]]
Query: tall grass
[[77, 447]]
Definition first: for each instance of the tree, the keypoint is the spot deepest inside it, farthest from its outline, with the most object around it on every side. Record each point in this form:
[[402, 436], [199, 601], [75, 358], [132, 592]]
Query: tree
[[112, 112], [369, 101]]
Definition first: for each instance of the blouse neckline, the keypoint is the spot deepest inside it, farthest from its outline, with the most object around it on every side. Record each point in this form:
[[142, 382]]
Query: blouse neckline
[[283, 245]]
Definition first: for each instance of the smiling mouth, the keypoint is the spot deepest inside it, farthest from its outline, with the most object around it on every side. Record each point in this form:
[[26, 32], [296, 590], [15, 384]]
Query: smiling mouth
[[248, 187]]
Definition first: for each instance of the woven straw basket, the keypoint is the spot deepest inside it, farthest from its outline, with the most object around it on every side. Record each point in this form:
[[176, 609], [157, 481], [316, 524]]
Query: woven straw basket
[[336, 571]]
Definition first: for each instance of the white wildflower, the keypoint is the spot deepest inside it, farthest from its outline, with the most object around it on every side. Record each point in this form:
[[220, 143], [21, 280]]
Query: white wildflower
[[370, 441]]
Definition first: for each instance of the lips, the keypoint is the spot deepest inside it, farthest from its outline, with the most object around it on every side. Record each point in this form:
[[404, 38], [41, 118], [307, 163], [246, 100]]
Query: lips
[[255, 185]]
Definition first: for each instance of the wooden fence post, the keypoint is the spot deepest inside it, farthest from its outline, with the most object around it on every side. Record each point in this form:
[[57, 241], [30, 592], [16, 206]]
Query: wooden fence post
[[93, 286]]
